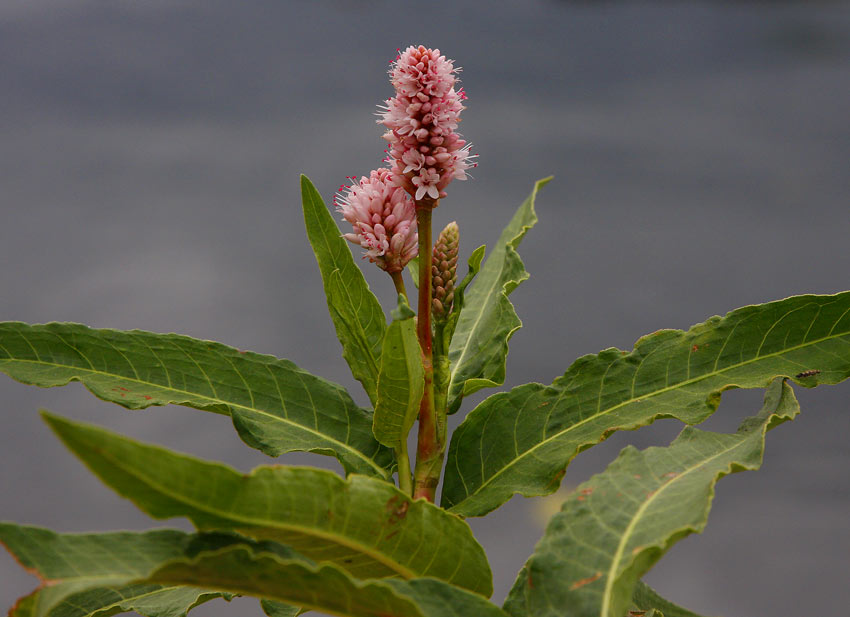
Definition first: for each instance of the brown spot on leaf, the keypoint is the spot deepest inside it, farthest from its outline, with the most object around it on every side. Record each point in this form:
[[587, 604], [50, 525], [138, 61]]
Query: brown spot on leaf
[[397, 509], [670, 474], [585, 581], [810, 373], [147, 398], [695, 348]]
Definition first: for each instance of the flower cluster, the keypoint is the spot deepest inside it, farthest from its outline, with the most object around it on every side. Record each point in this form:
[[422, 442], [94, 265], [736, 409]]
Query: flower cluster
[[383, 218], [424, 155], [425, 151]]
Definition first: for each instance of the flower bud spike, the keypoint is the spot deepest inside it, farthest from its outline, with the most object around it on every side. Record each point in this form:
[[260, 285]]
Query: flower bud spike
[[444, 271]]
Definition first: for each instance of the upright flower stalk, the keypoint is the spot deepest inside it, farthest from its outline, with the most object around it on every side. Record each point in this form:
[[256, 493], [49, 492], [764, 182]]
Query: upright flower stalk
[[390, 214], [425, 154], [443, 282]]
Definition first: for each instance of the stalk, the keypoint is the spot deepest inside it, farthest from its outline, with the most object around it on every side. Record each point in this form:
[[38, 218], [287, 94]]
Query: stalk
[[431, 441], [398, 281]]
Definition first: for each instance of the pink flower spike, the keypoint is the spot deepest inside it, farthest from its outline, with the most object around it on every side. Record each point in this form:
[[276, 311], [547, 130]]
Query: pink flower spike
[[425, 152], [383, 218]]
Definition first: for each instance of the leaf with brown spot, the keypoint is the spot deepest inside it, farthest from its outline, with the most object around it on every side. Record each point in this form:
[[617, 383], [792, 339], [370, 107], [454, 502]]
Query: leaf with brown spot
[[595, 550]]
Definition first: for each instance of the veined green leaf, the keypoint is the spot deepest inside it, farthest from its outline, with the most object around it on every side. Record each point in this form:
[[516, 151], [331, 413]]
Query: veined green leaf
[[325, 587], [474, 266], [276, 407], [356, 313], [615, 526], [645, 598], [72, 564], [148, 599], [522, 440], [401, 380], [279, 609], [90, 575], [645, 601], [363, 524], [480, 342]]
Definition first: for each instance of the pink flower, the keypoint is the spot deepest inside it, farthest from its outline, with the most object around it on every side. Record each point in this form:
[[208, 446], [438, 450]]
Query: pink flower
[[383, 218], [425, 151]]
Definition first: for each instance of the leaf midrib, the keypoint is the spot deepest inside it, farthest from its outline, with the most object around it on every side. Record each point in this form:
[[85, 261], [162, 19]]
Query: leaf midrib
[[633, 399], [381, 471], [618, 554], [259, 522]]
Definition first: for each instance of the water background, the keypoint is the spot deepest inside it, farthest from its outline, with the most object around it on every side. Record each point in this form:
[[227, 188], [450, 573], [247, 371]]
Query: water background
[[149, 161]]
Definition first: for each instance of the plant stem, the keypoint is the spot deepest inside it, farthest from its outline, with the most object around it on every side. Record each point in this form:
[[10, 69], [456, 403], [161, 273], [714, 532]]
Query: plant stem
[[398, 281], [431, 441]]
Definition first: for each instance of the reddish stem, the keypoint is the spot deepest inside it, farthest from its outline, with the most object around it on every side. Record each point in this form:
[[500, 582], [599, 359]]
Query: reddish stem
[[429, 451]]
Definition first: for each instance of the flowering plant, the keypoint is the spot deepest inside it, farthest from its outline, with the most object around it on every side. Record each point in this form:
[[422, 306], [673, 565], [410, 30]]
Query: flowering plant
[[302, 538]]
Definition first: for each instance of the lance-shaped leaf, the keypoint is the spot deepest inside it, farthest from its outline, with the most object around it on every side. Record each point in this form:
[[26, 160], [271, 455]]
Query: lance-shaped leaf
[[91, 575], [72, 565], [356, 313], [522, 440], [363, 524], [401, 380], [480, 342], [148, 599], [645, 601], [615, 526], [276, 407], [645, 598]]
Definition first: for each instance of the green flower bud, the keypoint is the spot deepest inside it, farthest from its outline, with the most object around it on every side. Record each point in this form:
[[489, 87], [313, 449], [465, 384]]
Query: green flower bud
[[444, 271]]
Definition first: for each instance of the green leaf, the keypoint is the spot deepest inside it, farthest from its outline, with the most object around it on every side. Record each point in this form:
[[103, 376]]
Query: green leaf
[[363, 524], [279, 609], [480, 342], [401, 380], [71, 564], [90, 575], [614, 527], [645, 598], [413, 270], [147, 599], [522, 440], [515, 604], [474, 265], [276, 407], [356, 313], [325, 587]]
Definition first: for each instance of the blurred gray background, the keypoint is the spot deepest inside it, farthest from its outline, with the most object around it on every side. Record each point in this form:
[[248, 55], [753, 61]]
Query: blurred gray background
[[149, 161]]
